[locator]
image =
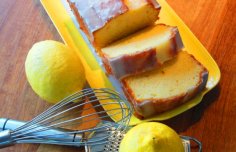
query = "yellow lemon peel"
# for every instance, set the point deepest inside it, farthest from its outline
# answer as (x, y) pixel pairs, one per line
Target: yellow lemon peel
(151, 137)
(54, 71)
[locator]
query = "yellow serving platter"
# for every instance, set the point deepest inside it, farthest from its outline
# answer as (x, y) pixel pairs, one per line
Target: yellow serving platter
(64, 21)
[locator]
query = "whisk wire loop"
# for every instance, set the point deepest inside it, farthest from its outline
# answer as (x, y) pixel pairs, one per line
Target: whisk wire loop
(94, 107)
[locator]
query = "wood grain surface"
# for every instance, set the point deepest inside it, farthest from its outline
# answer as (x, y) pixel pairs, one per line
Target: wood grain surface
(213, 121)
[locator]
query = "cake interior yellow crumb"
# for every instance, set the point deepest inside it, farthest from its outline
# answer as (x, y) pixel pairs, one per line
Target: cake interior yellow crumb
(157, 37)
(176, 77)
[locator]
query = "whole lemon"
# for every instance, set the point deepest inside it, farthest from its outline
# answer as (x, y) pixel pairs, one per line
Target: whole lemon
(54, 71)
(151, 137)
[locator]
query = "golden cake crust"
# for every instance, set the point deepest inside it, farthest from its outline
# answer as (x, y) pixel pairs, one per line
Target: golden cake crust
(100, 14)
(141, 61)
(145, 108)
(131, 64)
(100, 17)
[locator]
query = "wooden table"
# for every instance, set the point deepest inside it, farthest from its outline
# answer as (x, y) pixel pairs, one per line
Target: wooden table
(213, 122)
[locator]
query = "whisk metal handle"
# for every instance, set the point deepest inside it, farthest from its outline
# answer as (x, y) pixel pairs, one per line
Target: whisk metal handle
(5, 139)
(57, 134)
(9, 124)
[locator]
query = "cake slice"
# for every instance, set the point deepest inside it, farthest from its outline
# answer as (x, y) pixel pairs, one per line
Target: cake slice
(105, 21)
(163, 89)
(142, 51)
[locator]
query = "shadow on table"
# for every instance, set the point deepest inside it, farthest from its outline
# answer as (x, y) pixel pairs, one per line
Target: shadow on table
(185, 120)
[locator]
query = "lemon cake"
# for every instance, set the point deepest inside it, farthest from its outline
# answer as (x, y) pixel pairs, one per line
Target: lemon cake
(142, 51)
(105, 21)
(159, 90)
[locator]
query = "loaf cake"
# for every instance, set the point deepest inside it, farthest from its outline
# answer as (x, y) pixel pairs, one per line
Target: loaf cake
(165, 88)
(105, 21)
(142, 51)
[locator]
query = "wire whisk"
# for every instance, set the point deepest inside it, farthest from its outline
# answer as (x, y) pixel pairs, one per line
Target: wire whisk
(85, 118)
